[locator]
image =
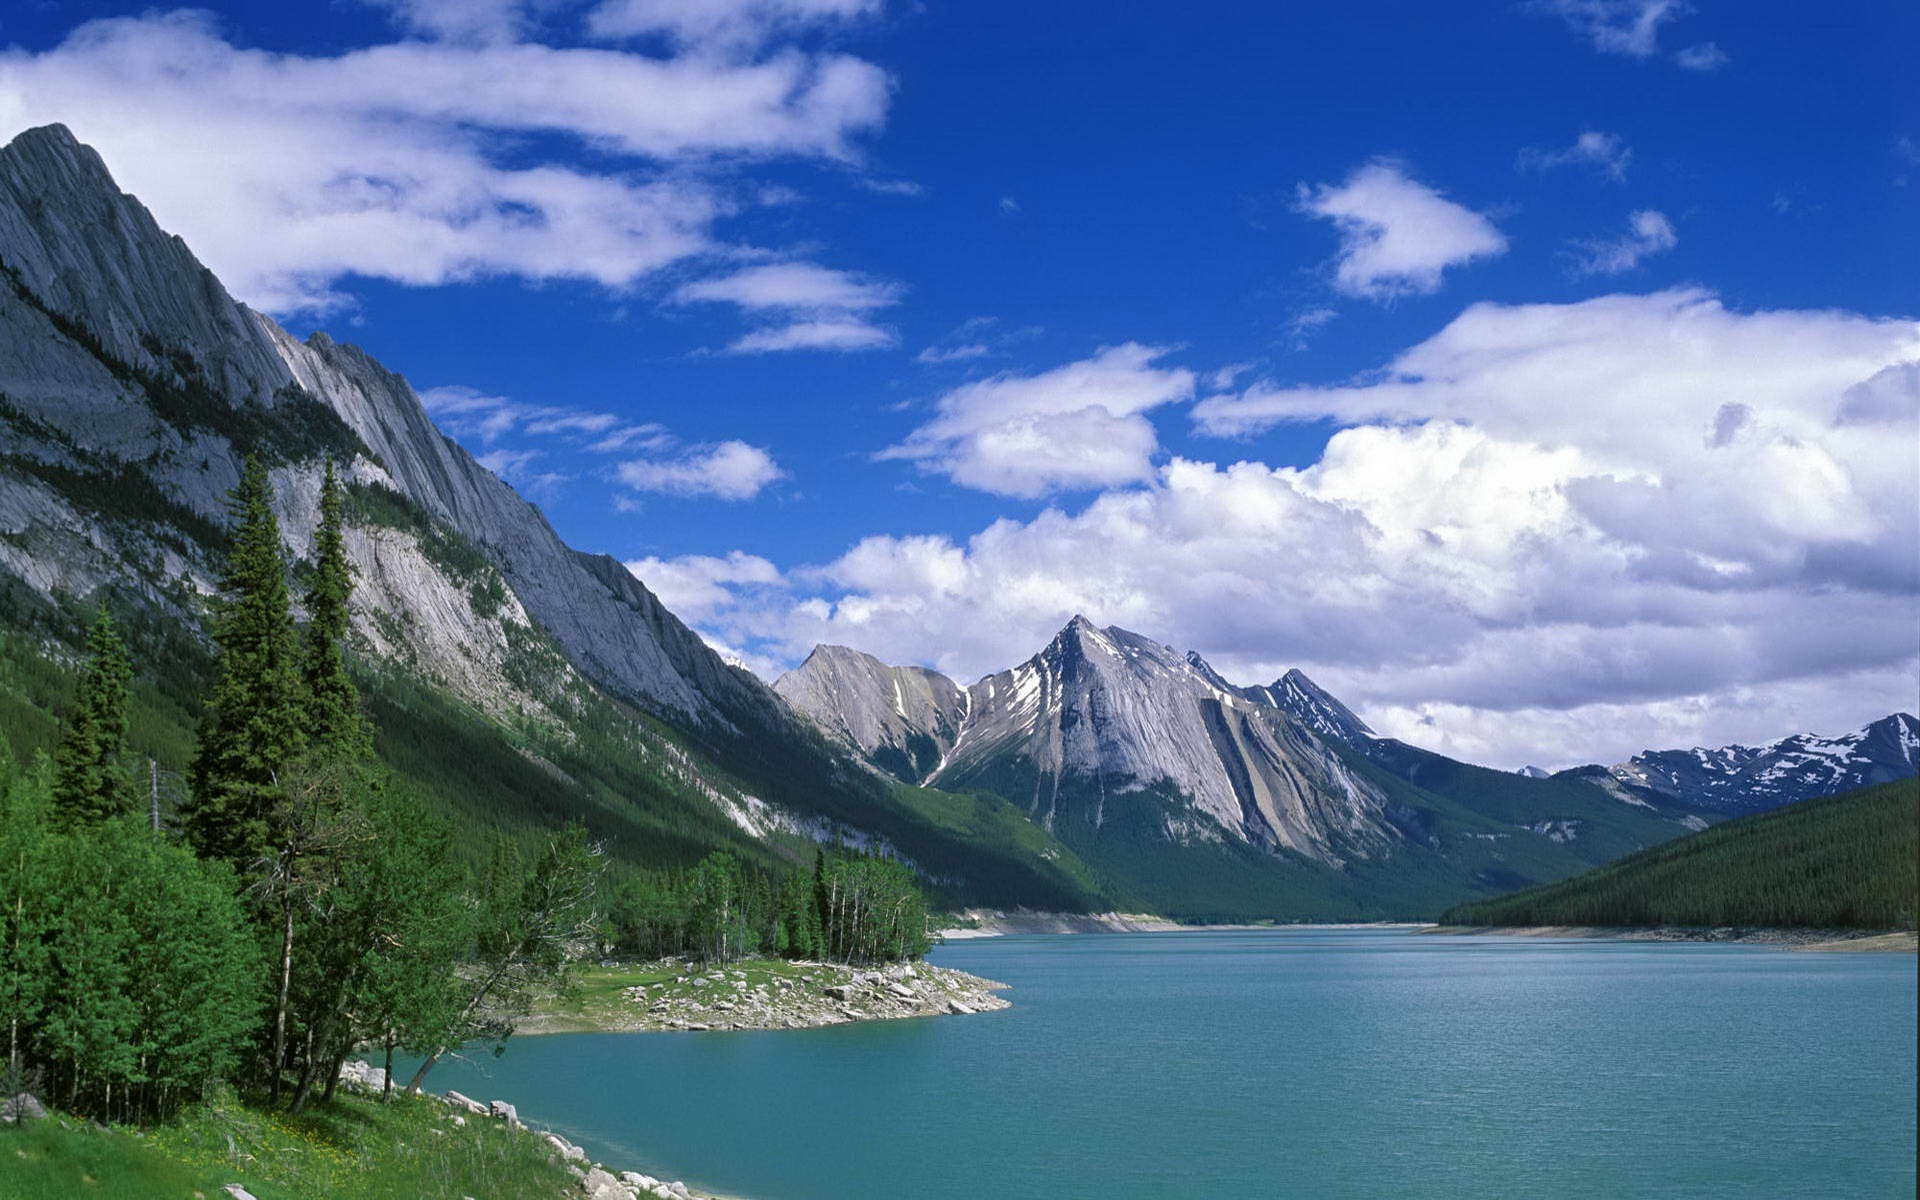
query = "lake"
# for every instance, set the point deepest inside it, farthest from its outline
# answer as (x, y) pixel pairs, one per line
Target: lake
(1290, 1063)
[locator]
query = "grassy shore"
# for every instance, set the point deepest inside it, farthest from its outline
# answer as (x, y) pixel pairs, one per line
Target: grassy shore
(757, 993)
(351, 1148)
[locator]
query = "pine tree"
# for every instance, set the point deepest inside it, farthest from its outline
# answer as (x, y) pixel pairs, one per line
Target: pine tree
(252, 724)
(335, 723)
(90, 780)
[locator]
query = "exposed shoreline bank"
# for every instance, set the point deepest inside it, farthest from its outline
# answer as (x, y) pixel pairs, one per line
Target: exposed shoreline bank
(1820, 940)
(670, 995)
(986, 923)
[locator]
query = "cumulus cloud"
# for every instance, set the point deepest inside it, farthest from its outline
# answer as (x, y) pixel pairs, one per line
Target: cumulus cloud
(410, 161)
(1648, 233)
(698, 586)
(1552, 532)
(1077, 426)
(1397, 235)
(1606, 153)
(731, 470)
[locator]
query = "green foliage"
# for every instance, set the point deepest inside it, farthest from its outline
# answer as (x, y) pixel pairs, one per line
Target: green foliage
(1845, 862)
(252, 725)
(349, 1148)
(854, 908)
(530, 926)
(90, 781)
(335, 722)
(125, 963)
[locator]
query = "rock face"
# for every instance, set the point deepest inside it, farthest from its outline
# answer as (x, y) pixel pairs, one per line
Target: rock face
(108, 314)
(1099, 718)
(132, 386)
(1314, 707)
(903, 719)
(1804, 766)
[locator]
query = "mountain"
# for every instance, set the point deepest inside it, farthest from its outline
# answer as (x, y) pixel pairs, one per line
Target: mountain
(1840, 862)
(1804, 766)
(1314, 707)
(903, 719)
(517, 681)
(1189, 795)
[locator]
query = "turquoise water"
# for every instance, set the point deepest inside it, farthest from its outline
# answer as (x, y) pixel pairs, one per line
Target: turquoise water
(1290, 1064)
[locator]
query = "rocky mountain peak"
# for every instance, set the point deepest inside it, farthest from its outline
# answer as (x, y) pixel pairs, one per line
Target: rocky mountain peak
(1802, 766)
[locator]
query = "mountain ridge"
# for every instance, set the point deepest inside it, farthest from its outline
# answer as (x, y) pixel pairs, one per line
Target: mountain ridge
(131, 386)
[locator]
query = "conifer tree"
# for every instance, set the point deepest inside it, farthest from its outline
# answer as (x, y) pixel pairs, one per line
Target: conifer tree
(252, 725)
(90, 781)
(335, 723)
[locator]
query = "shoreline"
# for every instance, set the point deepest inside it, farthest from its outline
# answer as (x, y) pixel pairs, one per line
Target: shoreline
(669, 995)
(989, 923)
(1840, 941)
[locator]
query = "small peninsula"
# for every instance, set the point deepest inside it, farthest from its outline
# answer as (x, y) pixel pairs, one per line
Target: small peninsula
(761, 993)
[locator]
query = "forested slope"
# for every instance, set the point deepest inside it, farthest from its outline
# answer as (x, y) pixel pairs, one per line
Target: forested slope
(1845, 862)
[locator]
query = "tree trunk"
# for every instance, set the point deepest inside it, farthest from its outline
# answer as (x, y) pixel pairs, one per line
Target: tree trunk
(280, 999)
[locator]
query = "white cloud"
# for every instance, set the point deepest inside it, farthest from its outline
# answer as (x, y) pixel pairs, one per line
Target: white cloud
(1704, 57)
(1648, 233)
(470, 412)
(793, 286)
(1074, 427)
(1303, 324)
(833, 333)
(1629, 27)
(731, 470)
(1552, 532)
(698, 586)
(826, 307)
(1397, 235)
(1606, 153)
(390, 161)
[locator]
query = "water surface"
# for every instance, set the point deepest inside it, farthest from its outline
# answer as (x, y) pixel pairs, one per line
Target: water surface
(1299, 1064)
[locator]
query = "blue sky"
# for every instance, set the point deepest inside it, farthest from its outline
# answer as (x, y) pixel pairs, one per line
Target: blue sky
(1056, 269)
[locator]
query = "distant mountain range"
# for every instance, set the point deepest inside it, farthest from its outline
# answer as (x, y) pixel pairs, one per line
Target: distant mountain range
(518, 682)
(1805, 766)
(1178, 786)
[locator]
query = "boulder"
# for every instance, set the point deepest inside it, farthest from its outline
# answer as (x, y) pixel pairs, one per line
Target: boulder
(23, 1107)
(838, 991)
(635, 1179)
(957, 1007)
(564, 1148)
(237, 1192)
(467, 1102)
(505, 1112)
(598, 1185)
(902, 991)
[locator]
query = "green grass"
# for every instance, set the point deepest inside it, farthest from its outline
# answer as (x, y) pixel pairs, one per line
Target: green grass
(597, 1001)
(1845, 862)
(349, 1149)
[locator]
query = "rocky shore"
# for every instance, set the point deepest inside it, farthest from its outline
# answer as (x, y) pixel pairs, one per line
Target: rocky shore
(671, 995)
(1855, 940)
(597, 1181)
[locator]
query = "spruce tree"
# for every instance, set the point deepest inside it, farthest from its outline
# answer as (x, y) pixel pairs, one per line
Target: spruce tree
(252, 726)
(90, 782)
(335, 723)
